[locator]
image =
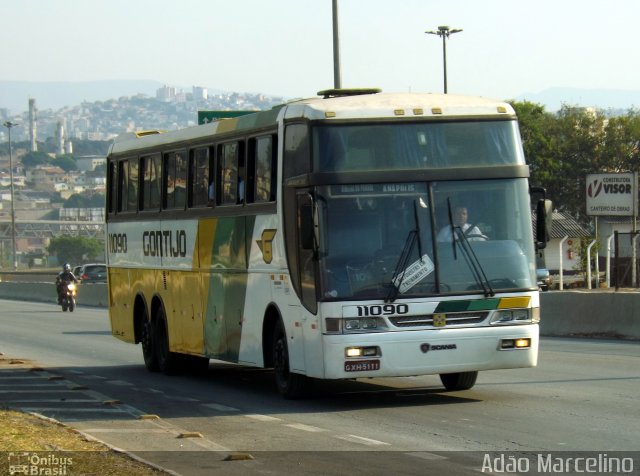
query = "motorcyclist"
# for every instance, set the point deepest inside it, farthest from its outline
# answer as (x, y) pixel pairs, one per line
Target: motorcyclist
(64, 277)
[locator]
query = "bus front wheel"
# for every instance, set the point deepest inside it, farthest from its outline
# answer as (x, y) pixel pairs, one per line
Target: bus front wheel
(459, 381)
(290, 385)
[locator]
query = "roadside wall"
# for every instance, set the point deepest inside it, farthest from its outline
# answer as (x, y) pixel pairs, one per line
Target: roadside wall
(89, 294)
(596, 313)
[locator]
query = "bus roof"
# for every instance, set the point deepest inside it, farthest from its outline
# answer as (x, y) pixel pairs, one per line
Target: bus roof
(373, 106)
(388, 105)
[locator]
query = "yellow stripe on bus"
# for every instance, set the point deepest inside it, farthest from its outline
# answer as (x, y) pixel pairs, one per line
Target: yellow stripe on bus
(511, 302)
(204, 243)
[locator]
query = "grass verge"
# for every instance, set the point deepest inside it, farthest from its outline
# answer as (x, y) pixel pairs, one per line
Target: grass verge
(58, 446)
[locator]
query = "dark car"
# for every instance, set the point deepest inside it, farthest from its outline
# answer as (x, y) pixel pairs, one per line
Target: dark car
(93, 273)
(544, 279)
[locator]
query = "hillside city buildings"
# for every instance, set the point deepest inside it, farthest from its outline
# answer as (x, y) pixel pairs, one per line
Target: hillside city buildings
(40, 191)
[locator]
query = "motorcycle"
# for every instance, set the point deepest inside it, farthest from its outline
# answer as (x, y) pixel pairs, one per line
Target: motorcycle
(68, 299)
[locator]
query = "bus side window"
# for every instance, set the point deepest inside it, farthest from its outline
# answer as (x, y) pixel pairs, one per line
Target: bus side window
(175, 180)
(151, 180)
(123, 187)
(112, 191)
(229, 155)
(261, 171)
(199, 178)
(132, 186)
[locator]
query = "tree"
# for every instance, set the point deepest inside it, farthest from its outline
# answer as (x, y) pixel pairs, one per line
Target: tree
(33, 159)
(563, 148)
(66, 162)
(538, 144)
(95, 200)
(75, 201)
(75, 249)
(622, 143)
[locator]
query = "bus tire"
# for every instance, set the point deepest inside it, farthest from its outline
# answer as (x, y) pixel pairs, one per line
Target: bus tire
(148, 348)
(290, 385)
(168, 362)
(459, 381)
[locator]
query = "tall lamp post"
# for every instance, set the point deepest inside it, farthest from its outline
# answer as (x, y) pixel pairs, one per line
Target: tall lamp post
(337, 77)
(9, 125)
(444, 32)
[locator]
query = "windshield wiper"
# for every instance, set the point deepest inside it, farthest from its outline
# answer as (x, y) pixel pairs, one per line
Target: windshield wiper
(413, 238)
(458, 238)
(474, 264)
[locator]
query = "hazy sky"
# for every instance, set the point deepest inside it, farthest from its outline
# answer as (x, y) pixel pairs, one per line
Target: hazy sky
(284, 47)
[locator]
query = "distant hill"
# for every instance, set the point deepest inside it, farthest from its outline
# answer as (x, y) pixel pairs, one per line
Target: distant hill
(14, 95)
(554, 98)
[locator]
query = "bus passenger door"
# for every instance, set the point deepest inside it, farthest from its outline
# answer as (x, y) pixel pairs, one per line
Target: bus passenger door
(297, 317)
(306, 244)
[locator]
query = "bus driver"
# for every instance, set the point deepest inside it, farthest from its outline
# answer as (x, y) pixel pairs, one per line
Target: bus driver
(460, 216)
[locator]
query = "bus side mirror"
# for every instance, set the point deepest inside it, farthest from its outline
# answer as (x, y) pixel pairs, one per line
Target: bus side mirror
(544, 214)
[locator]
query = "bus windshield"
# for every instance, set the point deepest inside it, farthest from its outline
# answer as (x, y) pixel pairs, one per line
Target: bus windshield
(341, 148)
(398, 240)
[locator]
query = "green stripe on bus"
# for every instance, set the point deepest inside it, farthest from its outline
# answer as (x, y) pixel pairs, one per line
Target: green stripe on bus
(483, 304)
(227, 289)
(461, 306)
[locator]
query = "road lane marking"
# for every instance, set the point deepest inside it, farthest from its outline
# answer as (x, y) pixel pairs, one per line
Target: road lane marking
(182, 399)
(303, 427)
(426, 455)
(220, 408)
(262, 417)
(50, 400)
(362, 440)
(71, 410)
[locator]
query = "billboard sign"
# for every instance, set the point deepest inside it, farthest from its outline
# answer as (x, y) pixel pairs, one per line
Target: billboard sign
(205, 117)
(612, 194)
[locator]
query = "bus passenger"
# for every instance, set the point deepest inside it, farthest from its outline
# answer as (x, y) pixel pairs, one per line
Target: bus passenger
(211, 193)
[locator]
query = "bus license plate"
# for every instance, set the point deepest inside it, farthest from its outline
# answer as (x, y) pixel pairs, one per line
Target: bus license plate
(362, 366)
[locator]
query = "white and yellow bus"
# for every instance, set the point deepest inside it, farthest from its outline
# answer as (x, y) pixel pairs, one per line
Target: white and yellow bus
(308, 239)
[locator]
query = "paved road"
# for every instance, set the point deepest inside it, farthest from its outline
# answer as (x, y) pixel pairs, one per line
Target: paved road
(581, 398)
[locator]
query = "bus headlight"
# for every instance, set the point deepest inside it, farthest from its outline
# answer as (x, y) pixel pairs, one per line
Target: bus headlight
(356, 352)
(515, 344)
(335, 325)
(511, 316)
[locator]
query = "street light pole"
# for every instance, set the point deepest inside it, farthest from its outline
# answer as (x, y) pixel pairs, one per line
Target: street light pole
(9, 125)
(444, 32)
(337, 77)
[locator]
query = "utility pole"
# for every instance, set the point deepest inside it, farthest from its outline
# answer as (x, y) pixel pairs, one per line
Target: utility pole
(9, 125)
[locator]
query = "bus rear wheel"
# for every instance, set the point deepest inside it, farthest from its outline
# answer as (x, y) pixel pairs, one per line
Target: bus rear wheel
(148, 347)
(290, 385)
(459, 381)
(168, 362)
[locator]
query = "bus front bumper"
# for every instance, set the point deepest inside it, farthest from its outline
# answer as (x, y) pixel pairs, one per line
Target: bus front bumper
(428, 352)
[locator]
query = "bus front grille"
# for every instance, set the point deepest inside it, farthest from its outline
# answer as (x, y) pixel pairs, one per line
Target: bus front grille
(452, 319)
